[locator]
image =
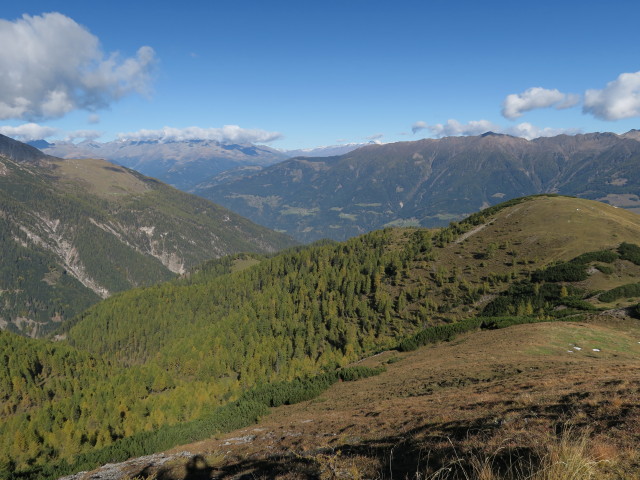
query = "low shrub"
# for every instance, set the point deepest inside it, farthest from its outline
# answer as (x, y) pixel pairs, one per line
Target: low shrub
(564, 272)
(629, 251)
(492, 323)
(438, 333)
(351, 374)
(604, 256)
(629, 290)
(606, 269)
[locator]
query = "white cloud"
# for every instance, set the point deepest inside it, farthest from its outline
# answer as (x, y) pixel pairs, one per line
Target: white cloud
(226, 134)
(420, 125)
(375, 136)
(526, 130)
(28, 132)
(619, 99)
(51, 65)
(536, 97)
(93, 118)
(82, 135)
(453, 128)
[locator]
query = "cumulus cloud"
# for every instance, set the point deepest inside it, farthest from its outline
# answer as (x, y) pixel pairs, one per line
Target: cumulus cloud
(226, 134)
(536, 97)
(420, 125)
(28, 132)
(51, 65)
(453, 128)
(82, 135)
(528, 131)
(619, 99)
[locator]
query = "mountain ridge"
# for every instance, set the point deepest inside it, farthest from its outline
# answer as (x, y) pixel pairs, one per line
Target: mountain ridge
(74, 231)
(428, 182)
(19, 151)
(182, 163)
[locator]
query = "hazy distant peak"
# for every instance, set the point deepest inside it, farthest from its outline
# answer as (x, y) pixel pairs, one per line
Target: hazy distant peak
(39, 144)
(324, 151)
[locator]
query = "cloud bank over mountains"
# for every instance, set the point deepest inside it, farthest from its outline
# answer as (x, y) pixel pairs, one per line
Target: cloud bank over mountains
(454, 128)
(28, 131)
(226, 134)
(60, 67)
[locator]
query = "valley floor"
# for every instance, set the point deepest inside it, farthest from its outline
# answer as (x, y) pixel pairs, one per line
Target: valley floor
(510, 403)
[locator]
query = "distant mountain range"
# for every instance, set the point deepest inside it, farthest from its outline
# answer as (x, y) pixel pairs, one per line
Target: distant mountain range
(75, 231)
(427, 182)
(342, 191)
(328, 151)
(182, 164)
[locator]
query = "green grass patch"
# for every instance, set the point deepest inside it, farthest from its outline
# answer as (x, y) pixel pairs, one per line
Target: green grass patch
(242, 263)
(302, 212)
(607, 341)
(403, 222)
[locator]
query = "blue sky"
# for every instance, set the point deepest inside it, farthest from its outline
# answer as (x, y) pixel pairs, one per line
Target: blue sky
(303, 74)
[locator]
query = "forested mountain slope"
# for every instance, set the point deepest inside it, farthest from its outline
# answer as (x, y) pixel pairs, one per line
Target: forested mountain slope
(177, 350)
(75, 231)
(429, 182)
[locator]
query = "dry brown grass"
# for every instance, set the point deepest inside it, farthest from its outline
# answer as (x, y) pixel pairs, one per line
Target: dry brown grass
(100, 177)
(490, 406)
(572, 456)
(568, 458)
